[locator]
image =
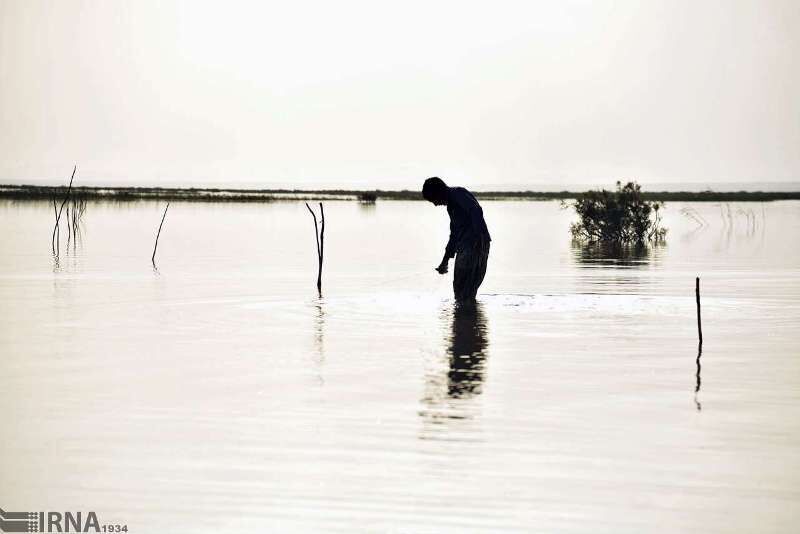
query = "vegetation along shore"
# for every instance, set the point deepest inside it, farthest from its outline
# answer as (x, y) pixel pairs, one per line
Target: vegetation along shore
(39, 192)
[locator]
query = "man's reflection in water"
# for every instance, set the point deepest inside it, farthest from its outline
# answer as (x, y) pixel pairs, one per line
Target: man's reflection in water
(467, 350)
(456, 377)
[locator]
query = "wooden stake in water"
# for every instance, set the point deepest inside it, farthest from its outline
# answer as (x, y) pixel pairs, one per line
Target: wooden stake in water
(55, 213)
(153, 259)
(58, 215)
(319, 234)
(697, 297)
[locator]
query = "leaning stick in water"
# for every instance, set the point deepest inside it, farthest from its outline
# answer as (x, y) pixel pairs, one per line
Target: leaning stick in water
(153, 259)
(320, 237)
(58, 215)
(55, 214)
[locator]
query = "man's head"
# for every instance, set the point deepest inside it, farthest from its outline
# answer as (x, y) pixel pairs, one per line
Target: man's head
(435, 190)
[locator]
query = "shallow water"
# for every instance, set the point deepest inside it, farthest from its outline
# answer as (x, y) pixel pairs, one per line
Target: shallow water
(219, 393)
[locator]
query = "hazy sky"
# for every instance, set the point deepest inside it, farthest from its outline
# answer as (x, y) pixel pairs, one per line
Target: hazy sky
(383, 94)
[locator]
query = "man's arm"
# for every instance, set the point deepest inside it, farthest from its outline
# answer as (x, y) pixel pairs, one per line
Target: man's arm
(449, 250)
(442, 268)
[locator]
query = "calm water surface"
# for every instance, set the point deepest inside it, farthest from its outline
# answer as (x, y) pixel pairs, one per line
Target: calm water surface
(220, 394)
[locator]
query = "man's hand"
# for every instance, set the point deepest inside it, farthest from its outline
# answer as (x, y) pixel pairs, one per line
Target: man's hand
(442, 268)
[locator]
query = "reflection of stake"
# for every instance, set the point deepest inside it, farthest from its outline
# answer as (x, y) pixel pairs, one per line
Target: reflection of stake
(700, 343)
(697, 376)
(319, 234)
(153, 259)
(697, 297)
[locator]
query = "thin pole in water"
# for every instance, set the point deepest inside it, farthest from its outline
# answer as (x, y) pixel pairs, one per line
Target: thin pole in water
(55, 213)
(319, 235)
(58, 215)
(321, 247)
(153, 259)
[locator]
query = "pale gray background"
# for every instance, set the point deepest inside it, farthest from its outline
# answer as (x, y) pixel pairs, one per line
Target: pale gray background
(351, 94)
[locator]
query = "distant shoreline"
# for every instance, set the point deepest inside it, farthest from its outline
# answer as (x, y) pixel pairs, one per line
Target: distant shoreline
(122, 194)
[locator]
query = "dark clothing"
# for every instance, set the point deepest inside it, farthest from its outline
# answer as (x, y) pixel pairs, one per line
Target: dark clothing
(466, 220)
(469, 242)
(469, 270)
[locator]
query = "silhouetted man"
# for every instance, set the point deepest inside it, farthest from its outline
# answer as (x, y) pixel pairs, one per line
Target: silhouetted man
(469, 237)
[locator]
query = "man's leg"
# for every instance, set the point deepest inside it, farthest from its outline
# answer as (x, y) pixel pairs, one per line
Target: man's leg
(481, 262)
(469, 271)
(461, 275)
